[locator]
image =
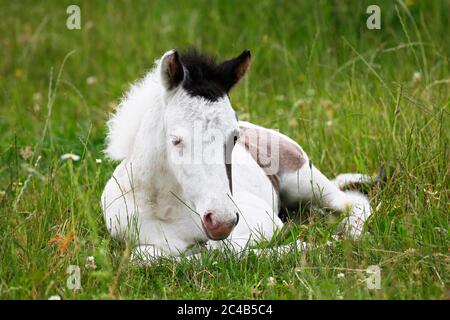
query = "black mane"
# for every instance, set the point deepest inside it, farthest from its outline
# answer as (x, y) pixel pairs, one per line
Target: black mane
(205, 77)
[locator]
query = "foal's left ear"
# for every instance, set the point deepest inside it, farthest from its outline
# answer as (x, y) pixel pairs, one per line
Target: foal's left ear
(172, 73)
(234, 69)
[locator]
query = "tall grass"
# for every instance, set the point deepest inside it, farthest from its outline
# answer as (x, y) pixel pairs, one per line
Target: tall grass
(353, 98)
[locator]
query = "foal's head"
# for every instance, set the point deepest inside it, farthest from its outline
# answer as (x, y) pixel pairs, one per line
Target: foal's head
(201, 129)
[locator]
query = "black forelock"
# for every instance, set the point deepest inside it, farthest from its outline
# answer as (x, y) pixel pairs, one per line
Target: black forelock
(205, 77)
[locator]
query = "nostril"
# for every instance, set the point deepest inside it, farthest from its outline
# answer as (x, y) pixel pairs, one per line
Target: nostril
(237, 219)
(218, 226)
(208, 218)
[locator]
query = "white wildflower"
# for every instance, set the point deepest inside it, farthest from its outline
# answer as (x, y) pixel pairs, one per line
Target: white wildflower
(98, 161)
(26, 152)
(271, 281)
(341, 275)
(417, 77)
(71, 156)
(335, 237)
(55, 297)
(90, 263)
(439, 229)
(91, 80)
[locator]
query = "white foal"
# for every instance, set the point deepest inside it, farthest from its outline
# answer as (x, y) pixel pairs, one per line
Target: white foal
(260, 189)
(190, 172)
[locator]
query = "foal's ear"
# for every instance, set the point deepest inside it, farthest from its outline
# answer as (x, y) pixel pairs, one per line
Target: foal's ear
(234, 69)
(171, 70)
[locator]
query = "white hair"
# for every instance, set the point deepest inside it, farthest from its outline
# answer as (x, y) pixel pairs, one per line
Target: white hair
(125, 122)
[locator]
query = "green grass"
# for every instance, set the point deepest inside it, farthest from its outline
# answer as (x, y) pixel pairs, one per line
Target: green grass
(344, 92)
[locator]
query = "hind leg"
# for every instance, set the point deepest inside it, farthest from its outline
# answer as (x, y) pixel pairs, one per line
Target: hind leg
(355, 181)
(308, 184)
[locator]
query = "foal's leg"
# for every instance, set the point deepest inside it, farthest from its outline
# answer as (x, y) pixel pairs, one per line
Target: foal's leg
(308, 184)
(353, 180)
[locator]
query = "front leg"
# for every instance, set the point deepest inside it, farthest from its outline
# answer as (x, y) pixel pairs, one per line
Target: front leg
(259, 223)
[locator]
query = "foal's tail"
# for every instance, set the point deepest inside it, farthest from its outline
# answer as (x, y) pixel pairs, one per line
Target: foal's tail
(361, 182)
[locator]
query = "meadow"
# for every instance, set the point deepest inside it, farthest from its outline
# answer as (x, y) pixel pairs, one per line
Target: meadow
(353, 98)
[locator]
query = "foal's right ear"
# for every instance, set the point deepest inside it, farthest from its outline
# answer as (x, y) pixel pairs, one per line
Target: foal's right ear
(172, 73)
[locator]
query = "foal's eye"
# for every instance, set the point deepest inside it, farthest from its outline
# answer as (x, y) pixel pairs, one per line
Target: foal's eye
(235, 137)
(177, 141)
